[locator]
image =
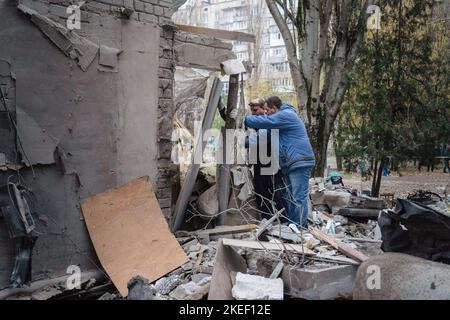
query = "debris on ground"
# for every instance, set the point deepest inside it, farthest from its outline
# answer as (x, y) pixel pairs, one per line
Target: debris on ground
(274, 260)
(251, 287)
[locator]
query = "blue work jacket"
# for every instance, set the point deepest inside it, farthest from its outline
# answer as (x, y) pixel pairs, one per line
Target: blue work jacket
(295, 149)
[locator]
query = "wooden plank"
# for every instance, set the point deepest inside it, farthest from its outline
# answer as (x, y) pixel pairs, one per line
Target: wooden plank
(226, 262)
(130, 234)
(263, 245)
(336, 259)
(226, 230)
(363, 240)
(340, 246)
(217, 33)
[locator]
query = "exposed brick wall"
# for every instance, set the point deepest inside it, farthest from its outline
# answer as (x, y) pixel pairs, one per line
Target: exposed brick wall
(166, 73)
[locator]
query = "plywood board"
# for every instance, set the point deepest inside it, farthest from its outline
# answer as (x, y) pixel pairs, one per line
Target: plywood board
(130, 235)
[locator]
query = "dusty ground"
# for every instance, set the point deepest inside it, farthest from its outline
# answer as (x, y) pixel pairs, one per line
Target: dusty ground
(410, 180)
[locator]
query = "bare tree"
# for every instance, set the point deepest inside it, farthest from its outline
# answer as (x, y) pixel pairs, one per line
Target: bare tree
(321, 39)
(256, 26)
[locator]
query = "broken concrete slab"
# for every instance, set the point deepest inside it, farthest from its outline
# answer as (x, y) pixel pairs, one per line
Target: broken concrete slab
(167, 284)
(333, 199)
(124, 220)
(253, 287)
(108, 56)
(208, 203)
(323, 284)
(200, 52)
(398, 276)
(233, 66)
(227, 261)
(192, 290)
(71, 44)
(38, 145)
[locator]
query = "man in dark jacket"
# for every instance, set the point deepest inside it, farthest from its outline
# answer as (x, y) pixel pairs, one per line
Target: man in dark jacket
(296, 156)
(264, 184)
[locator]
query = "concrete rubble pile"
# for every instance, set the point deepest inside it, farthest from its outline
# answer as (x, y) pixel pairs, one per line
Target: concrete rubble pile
(273, 260)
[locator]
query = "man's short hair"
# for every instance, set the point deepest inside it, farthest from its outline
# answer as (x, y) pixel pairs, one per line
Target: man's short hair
(274, 102)
(257, 102)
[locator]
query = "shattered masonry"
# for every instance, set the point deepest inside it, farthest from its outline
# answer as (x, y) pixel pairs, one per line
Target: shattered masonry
(86, 102)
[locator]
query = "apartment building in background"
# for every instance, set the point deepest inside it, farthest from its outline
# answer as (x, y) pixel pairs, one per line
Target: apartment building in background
(268, 54)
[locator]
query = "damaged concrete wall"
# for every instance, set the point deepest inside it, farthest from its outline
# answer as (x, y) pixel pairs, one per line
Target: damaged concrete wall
(197, 51)
(103, 115)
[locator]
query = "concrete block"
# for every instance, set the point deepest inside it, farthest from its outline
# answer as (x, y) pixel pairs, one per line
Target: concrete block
(166, 63)
(159, 11)
(168, 12)
(165, 74)
(128, 4)
(139, 6)
(398, 276)
(148, 8)
(165, 3)
(164, 193)
(323, 284)
(165, 53)
(165, 203)
(166, 88)
(167, 33)
(145, 17)
(251, 287)
(165, 126)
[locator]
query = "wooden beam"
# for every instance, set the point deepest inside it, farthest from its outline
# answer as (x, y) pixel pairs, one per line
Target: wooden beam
(340, 246)
(226, 230)
(262, 245)
(217, 33)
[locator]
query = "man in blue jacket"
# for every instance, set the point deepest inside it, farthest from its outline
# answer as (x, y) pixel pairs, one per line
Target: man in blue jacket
(296, 156)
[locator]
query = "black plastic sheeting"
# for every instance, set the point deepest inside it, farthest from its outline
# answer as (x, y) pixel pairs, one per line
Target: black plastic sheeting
(23, 241)
(416, 229)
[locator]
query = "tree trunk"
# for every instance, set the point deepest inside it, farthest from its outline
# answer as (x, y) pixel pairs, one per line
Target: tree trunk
(376, 182)
(337, 151)
(375, 174)
(320, 99)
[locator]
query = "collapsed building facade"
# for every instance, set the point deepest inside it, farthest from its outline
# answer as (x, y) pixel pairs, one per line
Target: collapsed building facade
(83, 111)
